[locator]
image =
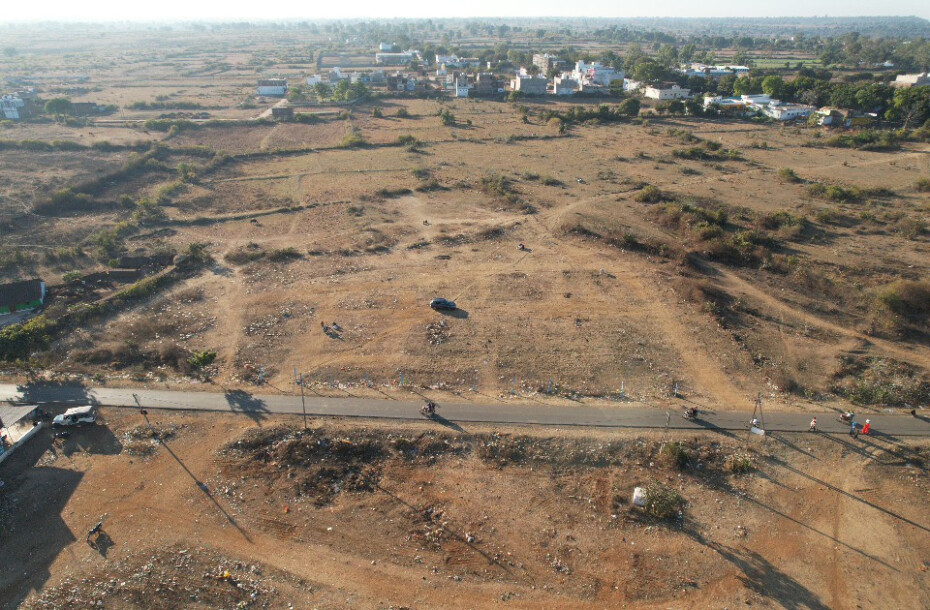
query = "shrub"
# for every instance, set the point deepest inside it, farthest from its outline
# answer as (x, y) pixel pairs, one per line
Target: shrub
(284, 254)
(662, 501)
(786, 174)
(650, 194)
(923, 185)
(907, 298)
(201, 360)
(352, 139)
(407, 140)
(18, 341)
(402, 113)
(675, 454)
(446, 117)
(740, 463)
(376, 112)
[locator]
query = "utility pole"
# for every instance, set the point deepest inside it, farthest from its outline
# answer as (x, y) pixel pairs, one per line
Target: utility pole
(303, 402)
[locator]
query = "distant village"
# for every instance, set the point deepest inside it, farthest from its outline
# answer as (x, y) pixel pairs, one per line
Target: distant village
(404, 72)
(399, 72)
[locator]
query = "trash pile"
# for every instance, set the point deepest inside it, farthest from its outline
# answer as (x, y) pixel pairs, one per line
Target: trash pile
(172, 578)
(143, 440)
(436, 332)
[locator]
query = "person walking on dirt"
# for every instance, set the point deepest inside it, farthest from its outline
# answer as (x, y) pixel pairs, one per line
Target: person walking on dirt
(854, 429)
(867, 426)
(813, 426)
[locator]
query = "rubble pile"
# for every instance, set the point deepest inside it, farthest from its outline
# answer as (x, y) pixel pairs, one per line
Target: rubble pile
(143, 440)
(172, 578)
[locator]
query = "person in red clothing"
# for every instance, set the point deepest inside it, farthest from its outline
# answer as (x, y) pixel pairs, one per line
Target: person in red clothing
(867, 427)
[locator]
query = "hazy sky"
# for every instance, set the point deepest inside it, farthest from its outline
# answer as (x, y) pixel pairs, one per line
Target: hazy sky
(176, 10)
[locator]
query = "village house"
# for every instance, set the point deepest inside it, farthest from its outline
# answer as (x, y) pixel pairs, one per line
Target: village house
(841, 117)
(386, 47)
(546, 62)
(12, 107)
(454, 61)
(565, 85)
(529, 85)
(21, 296)
(786, 112)
(272, 87)
(715, 72)
(397, 59)
(666, 91)
(596, 74)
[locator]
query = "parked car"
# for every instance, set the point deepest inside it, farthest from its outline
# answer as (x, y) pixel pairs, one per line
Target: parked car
(76, 416)
(442, 304)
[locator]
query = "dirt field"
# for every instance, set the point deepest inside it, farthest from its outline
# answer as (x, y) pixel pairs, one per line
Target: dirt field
(421, 516)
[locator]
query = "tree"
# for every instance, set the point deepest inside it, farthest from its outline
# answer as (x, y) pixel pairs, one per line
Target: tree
(910, 105)
(773, 86)
(59, 106)
(648, 71)
(342, 90)
(629, 107)
(322, 91)
(358, 91)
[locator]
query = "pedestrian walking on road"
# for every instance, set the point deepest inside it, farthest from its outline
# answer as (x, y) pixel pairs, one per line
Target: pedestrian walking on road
(854, 430)
(813, 427)
(867, 427)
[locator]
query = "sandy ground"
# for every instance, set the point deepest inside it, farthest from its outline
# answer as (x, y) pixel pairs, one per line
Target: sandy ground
(458, 518)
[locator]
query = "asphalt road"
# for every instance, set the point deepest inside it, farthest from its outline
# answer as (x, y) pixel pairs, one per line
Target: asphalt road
(257, 407)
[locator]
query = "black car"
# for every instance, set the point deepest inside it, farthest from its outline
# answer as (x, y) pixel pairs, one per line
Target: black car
(442, 304)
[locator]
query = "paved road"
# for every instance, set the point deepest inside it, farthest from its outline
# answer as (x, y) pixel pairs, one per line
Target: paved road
(259, 406)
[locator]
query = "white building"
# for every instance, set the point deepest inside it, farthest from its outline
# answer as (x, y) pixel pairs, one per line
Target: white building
(631, 85)
(10, 107)
(673, 92)
(454, 61)
(396, 59)
(461, 90)
(314, 80)
(530, 85)
(386, 47)
(595, 73)
(272, 87)
(787, 112)
(565, 85)
(912, 80)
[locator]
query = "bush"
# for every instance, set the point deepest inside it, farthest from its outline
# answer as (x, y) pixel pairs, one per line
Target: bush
(740, 463)
(402, 113)
(923, 185)
(18, 341)
(786, 174)
(675, 454)
(201, 360)
(650, 194)
(352, 139)
(407, 140)
(907, 298)
(662, 501)
(446, 118)
(284, 254)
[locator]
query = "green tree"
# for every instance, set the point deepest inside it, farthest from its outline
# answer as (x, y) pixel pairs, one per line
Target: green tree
(629, 107)
(773, 86)
(59, 106)
(342, 90)
(322, 91)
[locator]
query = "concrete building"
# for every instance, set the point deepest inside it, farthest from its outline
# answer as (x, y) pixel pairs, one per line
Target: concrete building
(787, 112)
(21, 296)
(386, 47)
(12, 107)
(667, 92)
(912, 80)
(546, 62)
(565, 85)
(529, 85)
(596, 73)
(396, 59)
(272, 87)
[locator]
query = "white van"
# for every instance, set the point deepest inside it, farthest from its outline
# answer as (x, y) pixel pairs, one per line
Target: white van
(76, 416)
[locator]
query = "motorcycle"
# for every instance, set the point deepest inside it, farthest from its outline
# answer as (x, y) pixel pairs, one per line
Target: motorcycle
(690, 413)
(428, 410)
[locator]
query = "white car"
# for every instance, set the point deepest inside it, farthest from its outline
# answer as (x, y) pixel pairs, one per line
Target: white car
(76, 416)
